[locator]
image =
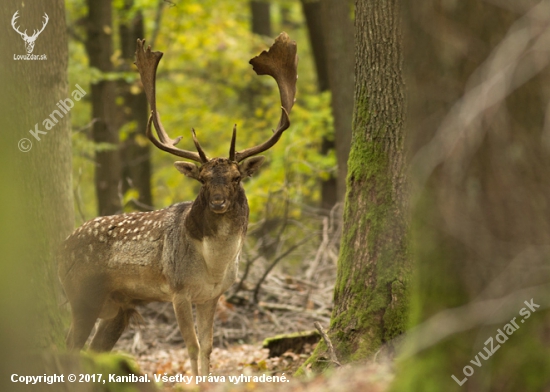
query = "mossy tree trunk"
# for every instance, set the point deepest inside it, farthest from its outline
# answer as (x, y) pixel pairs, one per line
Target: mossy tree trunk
(36, 206)
(371, 293)
(480, 218)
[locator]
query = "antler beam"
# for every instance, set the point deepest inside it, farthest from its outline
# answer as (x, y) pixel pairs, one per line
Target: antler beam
(147, 63)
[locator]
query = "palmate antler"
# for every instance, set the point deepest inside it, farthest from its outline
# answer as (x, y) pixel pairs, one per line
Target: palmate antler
(280, 62)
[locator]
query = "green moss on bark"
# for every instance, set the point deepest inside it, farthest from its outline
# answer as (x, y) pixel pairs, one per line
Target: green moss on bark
(370, 296)
(372, 281)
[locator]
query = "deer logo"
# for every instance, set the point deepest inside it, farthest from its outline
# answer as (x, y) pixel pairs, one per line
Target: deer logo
(29, 41)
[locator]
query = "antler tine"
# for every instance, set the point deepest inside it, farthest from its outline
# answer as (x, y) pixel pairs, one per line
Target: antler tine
(233, 141)
(202, 155)
(36, 33)
(13, 20)
(44, 24)
(281, 63)
(147, 63)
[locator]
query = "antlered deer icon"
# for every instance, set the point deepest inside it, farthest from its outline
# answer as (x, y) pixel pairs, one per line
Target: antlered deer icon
(29, 41)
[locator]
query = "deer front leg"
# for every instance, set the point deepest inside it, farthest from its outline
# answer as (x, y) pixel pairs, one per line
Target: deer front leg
(205, 322)
(184, 315)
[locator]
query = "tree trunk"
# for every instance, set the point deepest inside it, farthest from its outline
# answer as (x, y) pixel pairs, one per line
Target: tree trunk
(313, 15)
(36, 206)
(339, 48)
(99, 45)
(480, 223)
(136, 166)
(261, 17)
(371, 292)
(315, 28)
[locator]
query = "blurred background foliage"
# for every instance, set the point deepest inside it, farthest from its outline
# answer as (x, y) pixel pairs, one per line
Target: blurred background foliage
(205, 82)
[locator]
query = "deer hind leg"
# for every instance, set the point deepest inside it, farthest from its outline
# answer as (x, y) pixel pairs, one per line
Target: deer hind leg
(84, 318)
(184, 315)
(109, 331)
(86, 297)
(205, 326)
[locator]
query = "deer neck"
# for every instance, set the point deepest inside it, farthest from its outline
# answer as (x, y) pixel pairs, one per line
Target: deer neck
(202, 222)
(218, 237)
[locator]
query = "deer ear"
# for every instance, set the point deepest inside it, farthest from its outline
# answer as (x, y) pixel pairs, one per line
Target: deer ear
(250, 166)
(188, 169)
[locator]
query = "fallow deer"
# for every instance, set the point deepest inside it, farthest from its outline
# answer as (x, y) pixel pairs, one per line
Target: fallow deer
(185, 254)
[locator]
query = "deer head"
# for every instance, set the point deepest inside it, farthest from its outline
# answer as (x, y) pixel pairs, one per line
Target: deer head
(221, 177)
(29, 41)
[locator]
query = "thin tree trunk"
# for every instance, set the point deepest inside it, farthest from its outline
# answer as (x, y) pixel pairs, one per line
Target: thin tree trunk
(314, 20)
(36, 206)
(371, 292)
(339, 47)
(313, 15)
(99, 45)
(136, 169)
(261, 17)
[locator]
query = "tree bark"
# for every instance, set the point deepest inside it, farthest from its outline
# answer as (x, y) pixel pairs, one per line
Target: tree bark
(136, 155)
(261, 17)
(480, 225)
(339, 48)
(371, 292)
(36, 206)
(99, 45)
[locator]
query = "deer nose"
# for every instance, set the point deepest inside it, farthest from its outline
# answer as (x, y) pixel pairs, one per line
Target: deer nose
(217, 202)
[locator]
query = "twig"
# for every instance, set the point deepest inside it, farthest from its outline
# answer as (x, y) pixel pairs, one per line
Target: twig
(274, 263)
(141, 206)
(376, 355)
(87, 126)
(320, 252)
(243, 278)
(290, 308)
(331, 352)
(77, 196)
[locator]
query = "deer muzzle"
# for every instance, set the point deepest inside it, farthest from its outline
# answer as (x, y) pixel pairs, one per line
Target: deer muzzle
(218, 203)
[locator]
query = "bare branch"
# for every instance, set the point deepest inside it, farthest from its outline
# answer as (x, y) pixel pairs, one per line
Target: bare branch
(330, 347)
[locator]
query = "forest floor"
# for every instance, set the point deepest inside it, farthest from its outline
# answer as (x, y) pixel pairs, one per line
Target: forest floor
(156, 345)
(270, 298)
(284, 304)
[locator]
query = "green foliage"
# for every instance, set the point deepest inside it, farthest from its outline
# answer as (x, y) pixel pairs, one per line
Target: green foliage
(205, 82)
